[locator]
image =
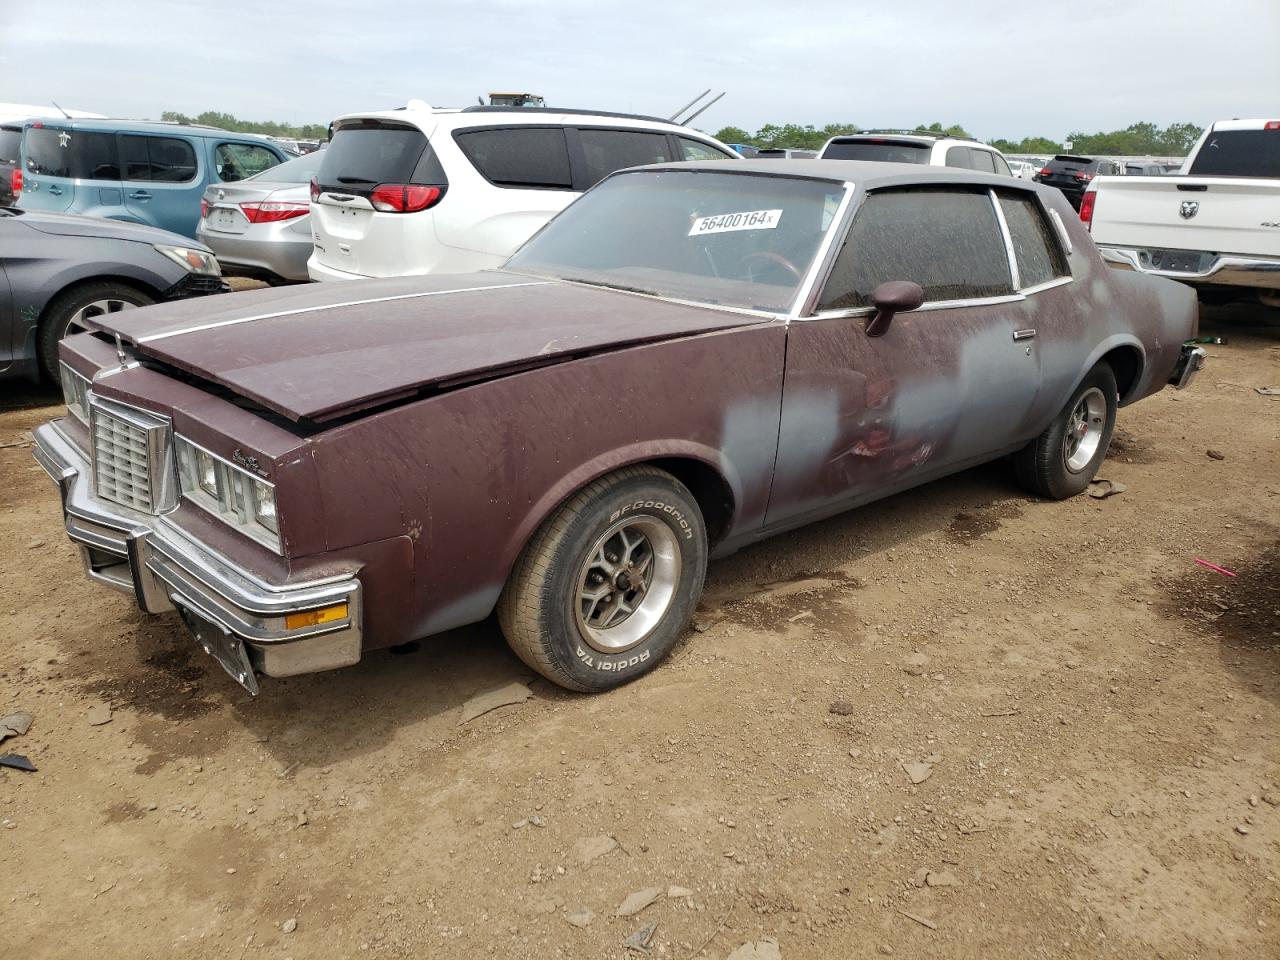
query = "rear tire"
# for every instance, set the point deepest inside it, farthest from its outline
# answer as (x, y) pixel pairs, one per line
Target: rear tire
(1062, 461)
(67, 311)
(604, 589)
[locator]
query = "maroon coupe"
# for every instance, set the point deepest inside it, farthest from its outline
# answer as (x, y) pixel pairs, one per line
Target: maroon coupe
(689, 358)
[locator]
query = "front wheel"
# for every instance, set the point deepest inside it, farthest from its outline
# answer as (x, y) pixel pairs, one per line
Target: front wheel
(601, 593)
(72, 310)
(1061, 461)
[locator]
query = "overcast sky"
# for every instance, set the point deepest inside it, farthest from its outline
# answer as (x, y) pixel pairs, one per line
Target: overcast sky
(1003, 69)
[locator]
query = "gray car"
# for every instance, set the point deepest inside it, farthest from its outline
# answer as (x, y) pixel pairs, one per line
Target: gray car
(58, 270)
(261, 227)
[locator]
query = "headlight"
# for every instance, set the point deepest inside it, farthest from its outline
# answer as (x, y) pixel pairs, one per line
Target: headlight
(197, 261)
(75, 391)
(229, 492)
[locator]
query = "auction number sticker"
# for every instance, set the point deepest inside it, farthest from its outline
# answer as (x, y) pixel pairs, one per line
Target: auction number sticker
(726, 222)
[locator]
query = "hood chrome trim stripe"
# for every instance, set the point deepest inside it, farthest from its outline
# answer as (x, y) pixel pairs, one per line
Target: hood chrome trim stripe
(198, 328)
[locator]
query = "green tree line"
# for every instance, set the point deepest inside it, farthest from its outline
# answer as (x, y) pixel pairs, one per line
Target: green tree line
(1138, 139)
(270, 128)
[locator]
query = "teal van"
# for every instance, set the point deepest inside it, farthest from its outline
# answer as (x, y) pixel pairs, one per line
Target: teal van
(135, 170)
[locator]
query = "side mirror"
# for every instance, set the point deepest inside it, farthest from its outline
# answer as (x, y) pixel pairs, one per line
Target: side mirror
(892, 297)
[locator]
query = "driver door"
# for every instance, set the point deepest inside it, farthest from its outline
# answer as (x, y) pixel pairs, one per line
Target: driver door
(946, 386)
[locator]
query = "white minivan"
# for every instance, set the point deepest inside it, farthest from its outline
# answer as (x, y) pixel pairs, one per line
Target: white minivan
(427, 190)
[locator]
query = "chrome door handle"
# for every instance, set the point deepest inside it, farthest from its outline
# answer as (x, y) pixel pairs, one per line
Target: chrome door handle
(1020, 335)
(139, 195)
(56, 190)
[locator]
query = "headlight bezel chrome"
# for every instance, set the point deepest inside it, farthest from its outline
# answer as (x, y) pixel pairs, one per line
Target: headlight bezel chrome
(240, 498)
(75, 392)
(200, 262)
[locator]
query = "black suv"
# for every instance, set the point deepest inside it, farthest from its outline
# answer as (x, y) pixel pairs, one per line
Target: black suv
(10, 144)
(1071, 175)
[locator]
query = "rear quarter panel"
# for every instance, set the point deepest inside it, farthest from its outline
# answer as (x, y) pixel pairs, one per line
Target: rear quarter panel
(470, 474)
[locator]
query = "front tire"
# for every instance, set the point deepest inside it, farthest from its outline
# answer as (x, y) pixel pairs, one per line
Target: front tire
(1062, 461)
(602, 592)
(68, 311)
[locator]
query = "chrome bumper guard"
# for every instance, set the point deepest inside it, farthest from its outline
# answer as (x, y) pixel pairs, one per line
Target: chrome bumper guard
(237, 618)
(1225, 269)
(1190, 363)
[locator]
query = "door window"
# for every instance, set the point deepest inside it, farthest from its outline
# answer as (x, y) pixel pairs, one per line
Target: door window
(158, 159)
(695, 150)
(606, 151)
(959, 157)
(1035, 246)
(235, 161)
(71, 153)
(519, 156)
(947, 241)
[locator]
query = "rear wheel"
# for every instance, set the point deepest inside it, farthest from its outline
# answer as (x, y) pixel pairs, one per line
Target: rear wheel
(70, 311)
(1061, 461)
(603, 590)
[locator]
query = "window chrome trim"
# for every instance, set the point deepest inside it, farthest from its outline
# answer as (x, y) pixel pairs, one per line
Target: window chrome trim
(1011, 255)
(811, 286)
(925, 307)
(1062, 230)
(1047, 285)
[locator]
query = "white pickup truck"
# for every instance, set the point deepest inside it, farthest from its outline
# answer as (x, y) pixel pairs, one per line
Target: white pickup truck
(1214, 225)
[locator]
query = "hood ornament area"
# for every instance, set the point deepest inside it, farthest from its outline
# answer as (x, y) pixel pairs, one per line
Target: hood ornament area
(1188, 209)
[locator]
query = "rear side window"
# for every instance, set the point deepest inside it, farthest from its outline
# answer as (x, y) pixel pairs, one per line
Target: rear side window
(236, 161)
(893, 151)
(1002, 165)
(366, 153)
(1035, 246)
(981, 160)
(958, 157)
(10, 143)
(72, 153)
(947, 241)
(695, 150)
(158, 159)
(519, 156)
(1239, 153)
(607, 151)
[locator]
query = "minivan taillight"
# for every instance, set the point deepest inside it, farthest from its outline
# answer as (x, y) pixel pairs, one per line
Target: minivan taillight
(15, 182)
(1045, 171)
(1087, 203)
(315, 190)
(404, 197)
(204, 208)
(1084, 177)
(271, 211)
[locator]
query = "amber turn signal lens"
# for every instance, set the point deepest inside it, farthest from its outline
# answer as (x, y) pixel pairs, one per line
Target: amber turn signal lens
(313, 618)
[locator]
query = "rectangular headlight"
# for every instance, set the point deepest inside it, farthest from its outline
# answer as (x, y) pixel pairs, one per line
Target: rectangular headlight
(75, 391)
(229, 492)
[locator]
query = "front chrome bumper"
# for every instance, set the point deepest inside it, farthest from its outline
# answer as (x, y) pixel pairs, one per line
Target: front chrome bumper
(1221, 269)
(238, 618)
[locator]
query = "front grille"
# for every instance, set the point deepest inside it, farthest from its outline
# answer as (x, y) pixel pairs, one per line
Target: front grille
(121, 462)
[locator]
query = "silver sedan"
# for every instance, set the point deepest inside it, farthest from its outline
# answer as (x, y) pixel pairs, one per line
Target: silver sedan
(260, 227)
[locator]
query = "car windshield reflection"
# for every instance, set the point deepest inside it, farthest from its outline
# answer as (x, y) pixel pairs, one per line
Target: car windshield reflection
(726, 239)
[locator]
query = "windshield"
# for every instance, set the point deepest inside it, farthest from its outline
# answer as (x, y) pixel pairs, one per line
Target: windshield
(740, 240)
(892, 151)
(1239, 153)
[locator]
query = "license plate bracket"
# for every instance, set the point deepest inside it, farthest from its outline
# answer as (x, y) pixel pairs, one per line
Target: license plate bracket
(218, 642)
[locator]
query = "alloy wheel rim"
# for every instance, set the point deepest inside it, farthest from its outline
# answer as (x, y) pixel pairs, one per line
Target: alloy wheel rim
(1084, 430)
(626, 584)
(95, 309)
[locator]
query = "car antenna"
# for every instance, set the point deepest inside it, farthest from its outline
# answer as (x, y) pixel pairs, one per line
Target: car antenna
(64, 113)
(689, 119)
(672, 118)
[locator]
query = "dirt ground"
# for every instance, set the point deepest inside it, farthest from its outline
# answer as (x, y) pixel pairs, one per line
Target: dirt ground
(1098, 719)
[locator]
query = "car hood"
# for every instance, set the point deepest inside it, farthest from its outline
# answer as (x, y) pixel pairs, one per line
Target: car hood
(324, 351)
(70, 225)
